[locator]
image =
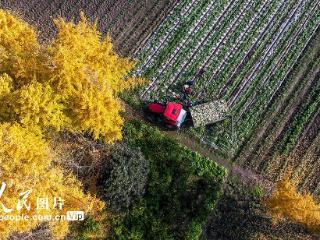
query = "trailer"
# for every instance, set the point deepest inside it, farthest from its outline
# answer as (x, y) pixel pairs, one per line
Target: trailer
(208, 113)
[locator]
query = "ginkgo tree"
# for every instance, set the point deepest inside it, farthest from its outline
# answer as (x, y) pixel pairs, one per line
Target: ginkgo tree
(28, 174)
(19, 49)
(286, 202)
(71, 82)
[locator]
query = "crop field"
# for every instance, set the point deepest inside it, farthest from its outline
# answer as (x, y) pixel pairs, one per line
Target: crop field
(130, 23)
(262, 57)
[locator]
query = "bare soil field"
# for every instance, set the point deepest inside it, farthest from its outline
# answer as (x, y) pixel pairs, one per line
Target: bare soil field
(130, 23)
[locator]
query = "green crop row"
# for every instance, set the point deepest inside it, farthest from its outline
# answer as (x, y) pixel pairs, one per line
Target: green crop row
(232, 47)
(215, 44)
(199, 45)
(286, 62)
(301, 119)
(181, 33)
(164, 30)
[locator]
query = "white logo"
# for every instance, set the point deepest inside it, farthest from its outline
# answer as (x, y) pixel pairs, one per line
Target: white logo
(75, 215)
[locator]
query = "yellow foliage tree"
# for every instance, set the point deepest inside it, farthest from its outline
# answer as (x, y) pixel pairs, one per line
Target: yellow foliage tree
(99, 118)
(90, 75)
(37, 104)
(72, 83)
(5, 91)
(26, 163)
(19, 49)
(79, 72)
(286, 202)
(81, 57)
(5, 85)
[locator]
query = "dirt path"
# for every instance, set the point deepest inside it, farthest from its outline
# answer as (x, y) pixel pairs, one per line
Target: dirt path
(190, 142)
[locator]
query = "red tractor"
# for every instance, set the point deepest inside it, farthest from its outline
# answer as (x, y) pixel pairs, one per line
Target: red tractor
(171, 113)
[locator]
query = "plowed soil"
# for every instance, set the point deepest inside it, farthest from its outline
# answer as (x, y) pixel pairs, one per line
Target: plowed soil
(130, 23)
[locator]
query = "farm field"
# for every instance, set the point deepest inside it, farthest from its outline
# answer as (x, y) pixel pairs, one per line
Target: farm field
(292, 126)
(251, 53)
(262, 57)
(258, 61)
(130, 23)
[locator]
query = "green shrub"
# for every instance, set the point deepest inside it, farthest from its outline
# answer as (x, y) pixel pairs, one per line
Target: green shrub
(257, 191)
(181, 191)
(85, 230)
(125, 178)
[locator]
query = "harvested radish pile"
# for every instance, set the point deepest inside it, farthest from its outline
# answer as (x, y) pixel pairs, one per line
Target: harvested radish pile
(208, 113)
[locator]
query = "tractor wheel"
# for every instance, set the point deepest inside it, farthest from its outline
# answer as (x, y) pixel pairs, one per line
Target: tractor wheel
(151, 117)
(171, 127)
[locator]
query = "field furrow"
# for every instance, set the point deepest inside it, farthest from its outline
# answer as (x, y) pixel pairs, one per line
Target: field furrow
(292, 89)
(138, 23)
(247, 83)
(284, 124)
(267, 91)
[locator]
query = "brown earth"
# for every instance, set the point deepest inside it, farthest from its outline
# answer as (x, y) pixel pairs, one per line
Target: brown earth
(130, 23)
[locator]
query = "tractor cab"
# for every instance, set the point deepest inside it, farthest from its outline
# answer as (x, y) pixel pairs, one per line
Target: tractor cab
(171, 113)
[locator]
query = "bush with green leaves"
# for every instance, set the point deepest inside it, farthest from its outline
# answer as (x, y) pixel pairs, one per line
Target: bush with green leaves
(85, 230)
(181, 191)
(125, 178)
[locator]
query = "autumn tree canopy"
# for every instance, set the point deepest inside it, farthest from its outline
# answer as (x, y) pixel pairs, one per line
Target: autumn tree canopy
(20, 151)
(286, 202)
(71, 82)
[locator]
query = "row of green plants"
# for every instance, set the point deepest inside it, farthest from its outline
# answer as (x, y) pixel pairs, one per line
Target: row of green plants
(200, 44)
(283, 46)
(264, 95)
(260, 54)
(180, 34)
(288, 96)
(296, 94)
(176, 56)
(242, 33)
(274, 139)
(202, 50)
(220, 79)
(269, 69)
(306, 111)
